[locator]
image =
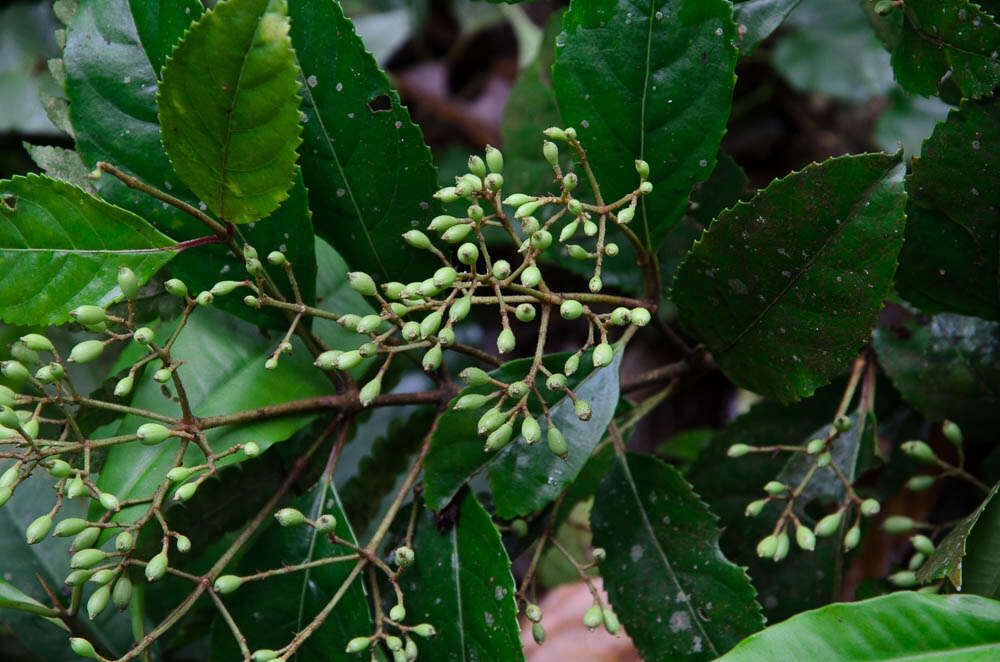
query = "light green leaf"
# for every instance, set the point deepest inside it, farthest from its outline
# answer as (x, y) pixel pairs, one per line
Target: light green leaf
(650, 80)
(784, 289)
(12, 598)
(368, 170)
(675, 593)
(61, 247)
(461, 584)
(232, 136)
(950, 259)
(896, 627)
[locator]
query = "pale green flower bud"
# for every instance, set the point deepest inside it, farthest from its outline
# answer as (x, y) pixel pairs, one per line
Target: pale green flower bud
(362, 283)
(494, 159)
(919, 451)
(870, 507)
(501, 269)
(738, 450)
(88, 314)
(505, 341)
(432, 359)
(530, 430)
(570, 309)
(582, 410)
(474, 376)
(642, 168)
(289, 517)
(828, 525)
(86, 351)
(525, 312)
(370, 391)
(417, 239)
(176, 287)
(603, 355)
(457, 233)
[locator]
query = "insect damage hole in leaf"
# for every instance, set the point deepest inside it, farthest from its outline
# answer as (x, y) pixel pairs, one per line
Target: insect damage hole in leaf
(380, 104)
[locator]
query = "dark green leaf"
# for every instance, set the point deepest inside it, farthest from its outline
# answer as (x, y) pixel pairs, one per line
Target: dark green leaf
(651, 80)
(160, 24)
(901, 626)
(675, 593)
(785, 288)
(757, 19)
(232, 136)
(949, 261)
(20, 563)
(13, 598)
(947, 559)
(523, 478)
(947, 367)
(60, 163)
(947, 40)
(368, 171)
(830, 49)
(461, 584)
(271, 611)
(223, 372)
(115, 120)
(981, 565)
(62, 248)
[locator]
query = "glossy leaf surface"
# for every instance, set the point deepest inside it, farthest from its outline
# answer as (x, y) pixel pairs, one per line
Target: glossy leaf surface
(649, 79)
(61, 248)
(757, 19)
(948, 556)
(784, 289)
(461, 584)
(675, 593)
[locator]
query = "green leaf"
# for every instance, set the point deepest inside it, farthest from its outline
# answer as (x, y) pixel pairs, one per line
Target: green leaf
(523, 478)
(111, 86)
(949, 261)
(947, 40)
(272, 610)
(649, 80)
(160, 23)
(947, 559)
(758, 19)
(908, 121)
(368, 170)
(675, 593)
(830, 49)
(981, 565)
(784, 289)
(901, 626)
(223, 373)
(61, 163)
(22, 565)
(232, 136)
(26, 35)
(947, 366)
(62, 248)
(461, 584)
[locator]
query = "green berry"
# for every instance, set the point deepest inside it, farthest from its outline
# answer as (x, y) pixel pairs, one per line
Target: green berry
(538, 633)
(457, 233)
(530, 225)
(460, 309)
(85, 538)
(531, 276)
(86, 559)
(805, 538)
(774, 487)
(642, 168)
(185, 492)
(920, 483)
(738, 450)
(611, 623)
(124, 385)
(767, 547)
(952, 432)
(98, 601)
(349, 360)
(37, 342)
(38, 529)
(533, 612)
(468, 253)
(530, 430)
(432, 359)
(870, 507)
(151, 434)
(592, 617)
(204, 298)
(49, 374)
(897, 524)
(582, 410)
(754, 507)
(489, 421)
(162, 375)
(828, 525)
(525, 312)
(277, 258)
(370, 391)
(59, 468)
(474, 376)
(349, 321)
(540, 241)
(86, 351)
(224, 287)
(70, 526)
(424, 630)
(919, 451)
(88, 314)
(446, 337)
(124, 542)
(227, 584)
(499, 437)
(326, 523)
(620, 316)
(505, 341)
(475, 213)
(289, 517)
(404, 556)
(121, 595)
(251, 301)
(358, 644)
(368, 324)
(603, 355)
(82, 647)
(471, 401)
(176, 287)
(557, 442)
(108, 501)
(501, 269)
(570, 309)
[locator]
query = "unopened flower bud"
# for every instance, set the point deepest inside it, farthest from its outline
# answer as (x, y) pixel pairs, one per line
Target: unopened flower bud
(227, 584)
(370, 391)
(489, 421)
(774, 488)
(404, 557)
(595, 284)
(124, 385)
(88, 314)
(176, 287)
(952, 432)
(457, 233)
(82, 647)
(86, 559)
(898, 524)
(499, 437)
(603, 355)
(86, 351)
(920, 483)
(805, 538)
(904, 578)
(570, 309)
(38, 529)
(571, 364)
(501, 269)
(919, 451)
(289, 517)
(37, 342)
(870, 507)
(556, 442)
(538, 633)
(108, 501)
(224, 287)
(205, 298)
(251, 449)
(592, 617)
(505, 341)
(754, 507)
(530, 429)
(70, 526)
(85, 538)
(642, 168)
(326, 523)
(626, 215)
(121, 595)
(555, 133)
(582, 410)
(358, 644)
(646, 188)
(152, 433)
(569, 182)
(431, 360)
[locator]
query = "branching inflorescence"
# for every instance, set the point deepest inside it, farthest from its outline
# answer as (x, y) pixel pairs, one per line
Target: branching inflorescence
(40, 430)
